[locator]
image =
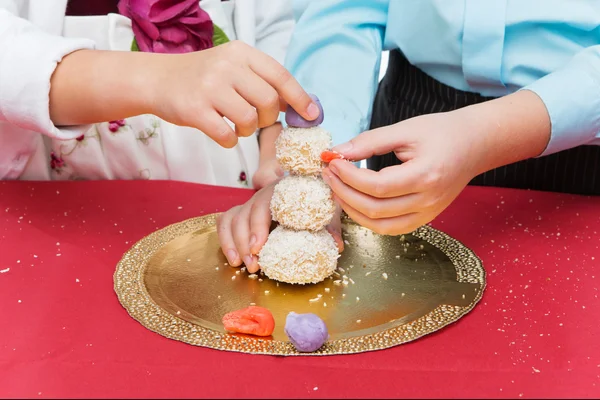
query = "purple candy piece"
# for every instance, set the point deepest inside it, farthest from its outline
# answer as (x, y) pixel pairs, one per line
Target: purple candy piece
(292, 118)
(307, 332)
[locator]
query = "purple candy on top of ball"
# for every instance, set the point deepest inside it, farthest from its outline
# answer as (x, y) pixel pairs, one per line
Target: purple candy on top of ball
(292, 118)
(307, 332)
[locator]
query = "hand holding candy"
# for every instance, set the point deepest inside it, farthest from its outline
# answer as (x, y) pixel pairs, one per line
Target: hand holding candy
(292, 118)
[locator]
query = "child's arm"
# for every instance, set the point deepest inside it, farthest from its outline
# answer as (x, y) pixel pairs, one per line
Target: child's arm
(274, 26)
(196, 89)
(269, 169)
(45, 82)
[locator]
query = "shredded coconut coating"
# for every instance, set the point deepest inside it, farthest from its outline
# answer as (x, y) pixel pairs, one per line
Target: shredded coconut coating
(299, 150)
(298, 257)
(302, 203)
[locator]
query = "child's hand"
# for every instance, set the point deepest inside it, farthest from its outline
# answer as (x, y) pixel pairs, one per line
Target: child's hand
(234, 81)
(196, 89)
(439, 161)
(243, 230)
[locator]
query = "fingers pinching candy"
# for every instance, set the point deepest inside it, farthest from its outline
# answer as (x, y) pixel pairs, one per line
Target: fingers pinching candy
(330, 155)
(292, 118)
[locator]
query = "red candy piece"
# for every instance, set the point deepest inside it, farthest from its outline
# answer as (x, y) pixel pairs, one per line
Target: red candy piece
(257, 321)
(328, 156)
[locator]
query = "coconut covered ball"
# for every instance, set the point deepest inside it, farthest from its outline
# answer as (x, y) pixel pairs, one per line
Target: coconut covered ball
(302, 203)
(298, 256)
(299, 150)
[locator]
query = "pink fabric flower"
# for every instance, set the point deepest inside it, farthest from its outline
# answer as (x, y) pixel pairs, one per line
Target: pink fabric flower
(169, 26)
(114, 126)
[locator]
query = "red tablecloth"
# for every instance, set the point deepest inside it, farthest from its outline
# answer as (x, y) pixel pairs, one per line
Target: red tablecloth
(64, 333)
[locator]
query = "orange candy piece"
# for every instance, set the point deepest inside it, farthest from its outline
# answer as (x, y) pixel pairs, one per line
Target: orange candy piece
(328, 156)
(253, 320)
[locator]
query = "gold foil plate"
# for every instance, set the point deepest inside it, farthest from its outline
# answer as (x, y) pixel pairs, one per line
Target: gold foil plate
(388, 290)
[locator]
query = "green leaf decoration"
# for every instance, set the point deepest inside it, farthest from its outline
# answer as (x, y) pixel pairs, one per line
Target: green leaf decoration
(219, 37)
(134, 45)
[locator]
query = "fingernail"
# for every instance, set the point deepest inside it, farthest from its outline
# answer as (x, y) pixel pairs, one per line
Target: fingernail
(334, 169)
(279, 172)
(252, 240)
(326, 177)
(343, 148)
(232, 256)
(313, 111)
(248, 260)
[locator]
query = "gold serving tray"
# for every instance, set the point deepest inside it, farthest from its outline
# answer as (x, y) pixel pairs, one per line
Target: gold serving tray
(176, 282)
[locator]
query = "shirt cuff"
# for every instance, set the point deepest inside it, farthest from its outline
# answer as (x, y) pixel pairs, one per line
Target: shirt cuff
(571, 96)
(26, 67)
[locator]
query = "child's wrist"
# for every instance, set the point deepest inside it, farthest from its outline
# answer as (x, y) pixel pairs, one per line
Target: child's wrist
(144, 77)
(266, 142)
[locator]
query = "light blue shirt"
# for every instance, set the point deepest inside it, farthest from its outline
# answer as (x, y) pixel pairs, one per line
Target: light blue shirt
(491, 47)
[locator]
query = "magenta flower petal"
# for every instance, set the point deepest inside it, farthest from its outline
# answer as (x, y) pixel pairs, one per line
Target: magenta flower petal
(173, 34)
(169, 26)
(165, 10)
(202, 34)
(159, 47)
(130, 7)
(146, 26)
(144, 42)
(195, 20)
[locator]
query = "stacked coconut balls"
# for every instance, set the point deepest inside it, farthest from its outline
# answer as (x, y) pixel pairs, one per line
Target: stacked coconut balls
(300, 250)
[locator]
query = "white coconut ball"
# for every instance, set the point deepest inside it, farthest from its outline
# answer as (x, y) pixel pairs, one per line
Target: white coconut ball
(299, 257)
(298, 150)
(302, 203)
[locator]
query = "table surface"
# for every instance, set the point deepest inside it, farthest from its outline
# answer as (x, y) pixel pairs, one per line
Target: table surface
(64, 333)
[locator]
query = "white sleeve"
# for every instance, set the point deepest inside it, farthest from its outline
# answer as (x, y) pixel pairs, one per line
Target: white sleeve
(28, 58)
(274, 27)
